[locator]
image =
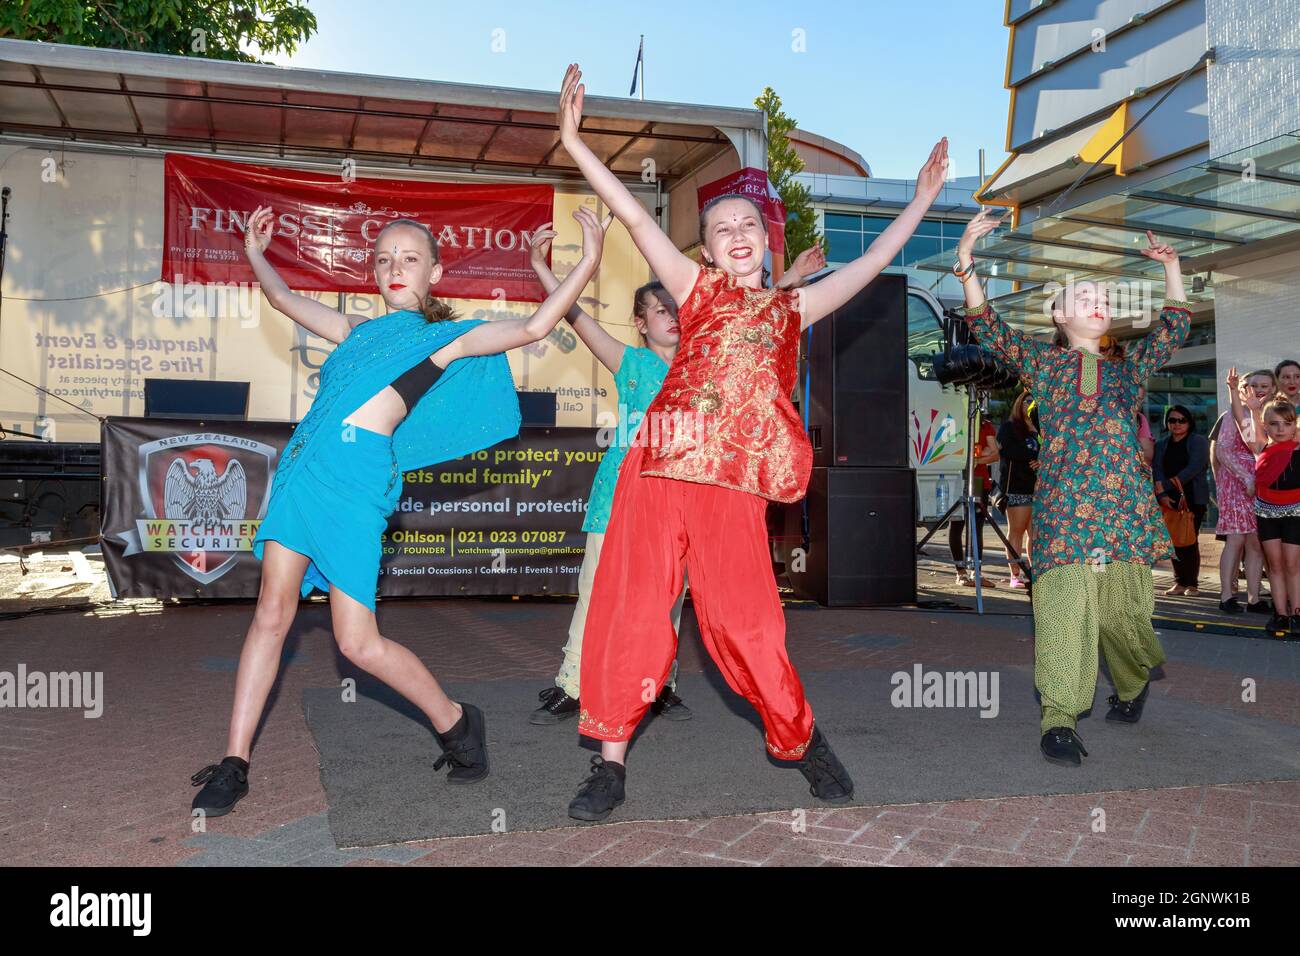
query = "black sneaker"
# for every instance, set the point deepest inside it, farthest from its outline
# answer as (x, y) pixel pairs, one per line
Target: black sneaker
(670, 707)
(1127, 711)
(557, 705)
(1278, 625)
(601, 792)
(224, 784)
(823, 770)
(464, 748)
(1062, 745)
(1260, 607)
(1231, 606)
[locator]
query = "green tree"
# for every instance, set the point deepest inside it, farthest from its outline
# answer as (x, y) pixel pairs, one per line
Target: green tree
(782, 165)
(217, 29)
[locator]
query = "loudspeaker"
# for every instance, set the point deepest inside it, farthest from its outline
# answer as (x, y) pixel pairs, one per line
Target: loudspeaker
(861, 544)
(855, 379)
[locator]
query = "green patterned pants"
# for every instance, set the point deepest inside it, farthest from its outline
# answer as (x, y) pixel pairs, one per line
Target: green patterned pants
(1076, 607)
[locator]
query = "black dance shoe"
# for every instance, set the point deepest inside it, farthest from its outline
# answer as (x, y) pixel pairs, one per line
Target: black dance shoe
(1127, 711)
(557, 705)
(464, 747)
(224, 784)
(601, 792)
(1231, 606)
(670, 707)
(1062, 745)
(823, 770)
(1260, 607)
(1277, 625)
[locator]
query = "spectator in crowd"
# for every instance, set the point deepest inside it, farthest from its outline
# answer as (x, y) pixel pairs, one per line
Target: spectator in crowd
(1181, 460)
(1233, 464)
(986, 452)
(1017, 441)
(1287, 374)
(1277, 506)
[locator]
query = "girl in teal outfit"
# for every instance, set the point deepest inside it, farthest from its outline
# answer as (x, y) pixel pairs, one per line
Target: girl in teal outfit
(638, 373)
(406, 390)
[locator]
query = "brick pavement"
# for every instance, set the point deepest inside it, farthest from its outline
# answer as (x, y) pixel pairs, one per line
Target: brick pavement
(114, 790)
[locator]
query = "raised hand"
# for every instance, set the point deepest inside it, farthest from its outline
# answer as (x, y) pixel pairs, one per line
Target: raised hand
(1233, 380)
(593, 233)
(812, 259)
(1159, 251)
(261, 225)
(539, 245)
(930, 180)
(571, 92)
(988, 219)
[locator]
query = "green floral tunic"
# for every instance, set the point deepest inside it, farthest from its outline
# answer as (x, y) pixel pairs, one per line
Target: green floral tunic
(1093, 502)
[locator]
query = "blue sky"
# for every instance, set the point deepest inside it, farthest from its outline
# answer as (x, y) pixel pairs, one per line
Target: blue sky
(885, 77)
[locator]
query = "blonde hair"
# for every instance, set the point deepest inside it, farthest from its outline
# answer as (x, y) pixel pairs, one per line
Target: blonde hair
(1282, 409)
(434, 309)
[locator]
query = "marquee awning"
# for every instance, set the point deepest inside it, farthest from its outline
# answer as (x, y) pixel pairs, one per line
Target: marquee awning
(70, 93)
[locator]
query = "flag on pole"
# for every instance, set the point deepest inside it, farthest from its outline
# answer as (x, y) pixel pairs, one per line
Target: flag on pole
(636, 70)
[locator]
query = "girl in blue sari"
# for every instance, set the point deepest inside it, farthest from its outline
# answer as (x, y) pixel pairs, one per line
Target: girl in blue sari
(403, 391)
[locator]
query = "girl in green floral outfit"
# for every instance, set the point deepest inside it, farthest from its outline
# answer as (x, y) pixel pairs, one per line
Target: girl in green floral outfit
(1097, 527)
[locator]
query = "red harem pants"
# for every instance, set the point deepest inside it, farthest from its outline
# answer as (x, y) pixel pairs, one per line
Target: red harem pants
(629, 644)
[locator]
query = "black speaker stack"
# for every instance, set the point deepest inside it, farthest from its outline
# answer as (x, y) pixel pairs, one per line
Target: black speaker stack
(852, 540)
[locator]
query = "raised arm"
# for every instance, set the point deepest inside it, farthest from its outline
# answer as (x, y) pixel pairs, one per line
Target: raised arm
(1254, 435)
(505, 334)
(676, 271)
(311, 315)
(830, 293)
(1022, 352)
(604, 346)
(1158, 346)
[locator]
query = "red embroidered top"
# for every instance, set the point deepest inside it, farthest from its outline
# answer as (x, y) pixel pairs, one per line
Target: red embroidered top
(723, 415)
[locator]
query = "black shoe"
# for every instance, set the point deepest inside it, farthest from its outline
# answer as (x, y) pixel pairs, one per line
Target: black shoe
(1062, 745)
(1231, 606)
(1260, 607)
(464, 747)
(601, 792)
(1295, 625)
(224, 785)
(1277, 624)
(670, 707)
(1127, 711)
(556, 706)
(823, 770)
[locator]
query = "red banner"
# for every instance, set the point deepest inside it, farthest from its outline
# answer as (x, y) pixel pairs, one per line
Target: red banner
(325, 227)
(753, 184)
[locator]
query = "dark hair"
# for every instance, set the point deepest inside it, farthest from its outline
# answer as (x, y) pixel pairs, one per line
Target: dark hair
(1059, 338)
(434, 309)
(1277, 371)
(641, 304)
(1185, 412)
(762, 220)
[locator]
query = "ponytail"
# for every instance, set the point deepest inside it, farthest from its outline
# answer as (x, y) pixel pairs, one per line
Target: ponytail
(435, 310)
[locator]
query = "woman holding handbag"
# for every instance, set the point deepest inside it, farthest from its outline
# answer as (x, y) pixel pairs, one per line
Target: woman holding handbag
(1182, 458)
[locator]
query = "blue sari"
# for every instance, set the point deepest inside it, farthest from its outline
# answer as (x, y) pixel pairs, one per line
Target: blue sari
(336, 484)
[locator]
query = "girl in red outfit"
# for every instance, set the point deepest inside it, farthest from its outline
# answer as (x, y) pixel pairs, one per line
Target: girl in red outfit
(1277, 506)
(719, 441)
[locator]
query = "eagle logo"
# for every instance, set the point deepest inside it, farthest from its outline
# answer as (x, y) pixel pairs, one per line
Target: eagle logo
(195, 492)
